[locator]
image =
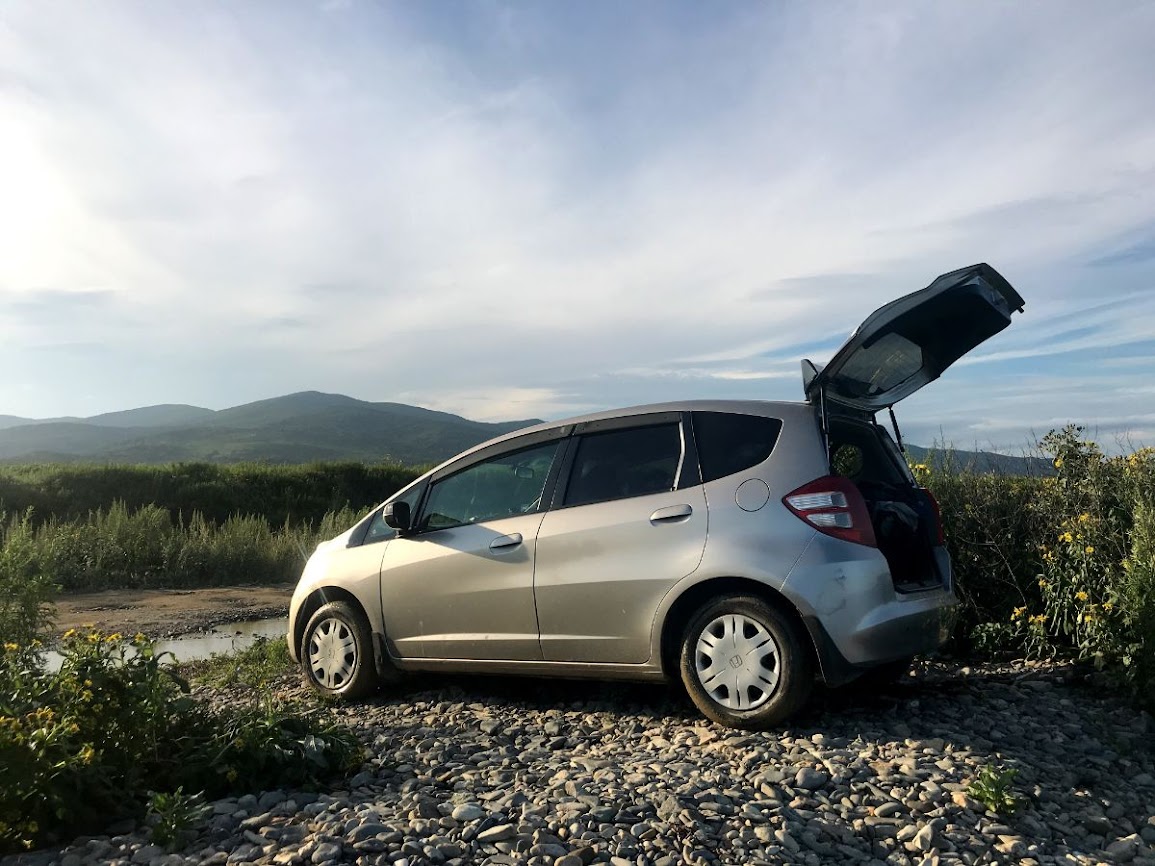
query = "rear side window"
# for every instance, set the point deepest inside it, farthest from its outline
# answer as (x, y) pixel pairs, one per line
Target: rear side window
(619, 464)
(729, 442)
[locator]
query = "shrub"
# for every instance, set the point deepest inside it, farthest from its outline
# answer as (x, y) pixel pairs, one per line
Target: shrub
(85, 744)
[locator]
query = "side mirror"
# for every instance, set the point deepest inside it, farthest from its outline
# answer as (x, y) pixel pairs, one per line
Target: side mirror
(397, 515)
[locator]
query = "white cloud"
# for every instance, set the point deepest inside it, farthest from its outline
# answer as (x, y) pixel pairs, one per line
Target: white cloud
(518, 215)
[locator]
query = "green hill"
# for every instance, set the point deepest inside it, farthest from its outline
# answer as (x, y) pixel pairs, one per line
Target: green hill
(295, 428)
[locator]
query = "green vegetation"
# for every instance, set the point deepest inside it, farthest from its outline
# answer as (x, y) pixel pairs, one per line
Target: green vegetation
(119, 548)
(293, 495)
(258, 667)
(1059, 566)
(83, 745)
(172, 815)
(994, 788)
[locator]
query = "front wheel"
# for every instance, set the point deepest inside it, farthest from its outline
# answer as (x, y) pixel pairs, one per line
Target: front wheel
(337, 652)
(745, 664)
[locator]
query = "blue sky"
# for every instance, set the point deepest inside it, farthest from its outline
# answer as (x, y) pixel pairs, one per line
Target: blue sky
(508, 210)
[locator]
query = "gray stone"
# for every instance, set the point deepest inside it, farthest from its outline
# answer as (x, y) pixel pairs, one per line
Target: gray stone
(146, 853)
(811, 779)
(467, 812)
(500, 833)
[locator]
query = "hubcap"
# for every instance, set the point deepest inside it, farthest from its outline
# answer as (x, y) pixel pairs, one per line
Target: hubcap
(332, 653)
(738, 662)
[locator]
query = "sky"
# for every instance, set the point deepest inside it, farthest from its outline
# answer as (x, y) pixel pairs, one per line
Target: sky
(515, 210)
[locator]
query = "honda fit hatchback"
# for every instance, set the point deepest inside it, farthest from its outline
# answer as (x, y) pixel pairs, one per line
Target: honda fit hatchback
(745, 548)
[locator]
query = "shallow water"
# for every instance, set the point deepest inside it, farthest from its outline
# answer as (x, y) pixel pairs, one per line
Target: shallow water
(220, 639)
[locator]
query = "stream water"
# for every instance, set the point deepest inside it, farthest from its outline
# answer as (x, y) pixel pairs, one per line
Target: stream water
(220, 639)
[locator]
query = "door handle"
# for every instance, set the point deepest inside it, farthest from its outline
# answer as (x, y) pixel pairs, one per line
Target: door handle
(671, 513)
(503, 541)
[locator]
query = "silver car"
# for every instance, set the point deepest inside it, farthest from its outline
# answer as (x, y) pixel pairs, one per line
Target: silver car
(744, 547)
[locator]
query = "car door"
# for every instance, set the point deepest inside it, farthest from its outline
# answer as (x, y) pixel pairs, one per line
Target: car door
(628, 522)
(460, 586)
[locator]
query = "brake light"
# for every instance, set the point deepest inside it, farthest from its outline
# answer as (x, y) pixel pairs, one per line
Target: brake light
(940, 538)
(833, 506)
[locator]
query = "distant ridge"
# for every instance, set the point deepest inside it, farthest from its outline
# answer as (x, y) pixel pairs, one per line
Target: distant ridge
(309, 426)
(295, 428)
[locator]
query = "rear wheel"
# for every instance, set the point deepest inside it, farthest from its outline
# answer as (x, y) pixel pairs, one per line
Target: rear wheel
(337, 652)
(744, 663)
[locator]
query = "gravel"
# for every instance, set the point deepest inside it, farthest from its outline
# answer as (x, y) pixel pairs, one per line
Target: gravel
(548, 773)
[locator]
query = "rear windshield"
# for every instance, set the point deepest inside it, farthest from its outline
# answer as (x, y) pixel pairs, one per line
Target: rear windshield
(729, 442)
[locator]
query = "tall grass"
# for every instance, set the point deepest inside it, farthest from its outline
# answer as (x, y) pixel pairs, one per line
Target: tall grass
(281, 494)
(145, 548)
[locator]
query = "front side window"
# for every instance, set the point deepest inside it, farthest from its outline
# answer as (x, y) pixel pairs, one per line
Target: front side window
(503, 486)
(618, 464)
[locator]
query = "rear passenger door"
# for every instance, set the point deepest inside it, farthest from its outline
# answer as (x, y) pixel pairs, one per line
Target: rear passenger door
(628, 522)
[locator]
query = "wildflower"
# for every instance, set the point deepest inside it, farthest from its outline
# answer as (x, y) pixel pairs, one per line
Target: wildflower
(1084, 517)
(1038, 619)
(1042, 583)
(231, 775)
(94, 637)
(88, 684)
(139, 637)
(113, 638)
(1058, 462)
(1067, 537)
(87, 753)
(1018, 612)
(1089, 549)
(74, 728)
(11, 647)
(1081, 596)
(1108, 606)
(71, 633)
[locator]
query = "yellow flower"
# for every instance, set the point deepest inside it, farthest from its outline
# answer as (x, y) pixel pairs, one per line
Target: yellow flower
(1081, 596)
(1038, 619)
(88, 684)
(231, 775)
(1042, 583)
(1084, 517)
(71, 633)
(1058, 462)
(94, 637)
(1108, 606)
(1018, 612)
(11, 647)
(113, 638)
(1089, 549)
(139, 637)
(1067, 537)
(87, 753)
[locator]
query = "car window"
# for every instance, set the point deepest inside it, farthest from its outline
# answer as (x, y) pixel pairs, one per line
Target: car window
(500, 487)
(378, 529)
(619, 464)
(729, 442)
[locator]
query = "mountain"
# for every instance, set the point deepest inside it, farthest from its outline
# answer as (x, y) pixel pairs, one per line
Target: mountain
(311, 425)
(983, 462)
(291, 429)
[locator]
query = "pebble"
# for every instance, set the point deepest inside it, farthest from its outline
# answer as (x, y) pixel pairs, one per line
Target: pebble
(548, 773)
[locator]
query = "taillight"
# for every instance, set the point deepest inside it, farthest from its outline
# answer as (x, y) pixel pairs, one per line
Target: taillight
(833, 506)
(940, 538)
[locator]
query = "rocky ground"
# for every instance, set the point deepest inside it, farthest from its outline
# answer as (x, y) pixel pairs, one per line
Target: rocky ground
(497, 771)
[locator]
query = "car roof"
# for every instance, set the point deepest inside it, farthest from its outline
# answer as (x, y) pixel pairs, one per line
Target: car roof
(778, 409)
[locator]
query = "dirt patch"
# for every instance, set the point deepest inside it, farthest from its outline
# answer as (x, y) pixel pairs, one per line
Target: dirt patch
(170, 612)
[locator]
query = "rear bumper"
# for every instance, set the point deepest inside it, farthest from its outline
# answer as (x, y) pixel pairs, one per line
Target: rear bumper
(854, 615)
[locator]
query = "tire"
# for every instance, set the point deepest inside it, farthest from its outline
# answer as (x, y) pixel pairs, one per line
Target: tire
(337, 652)
(745, 664)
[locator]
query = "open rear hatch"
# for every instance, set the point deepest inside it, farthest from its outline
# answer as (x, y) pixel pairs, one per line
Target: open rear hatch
(898, 349)
(911, 341)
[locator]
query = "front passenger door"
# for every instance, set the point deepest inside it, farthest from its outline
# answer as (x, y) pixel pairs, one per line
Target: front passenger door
(461, 585)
